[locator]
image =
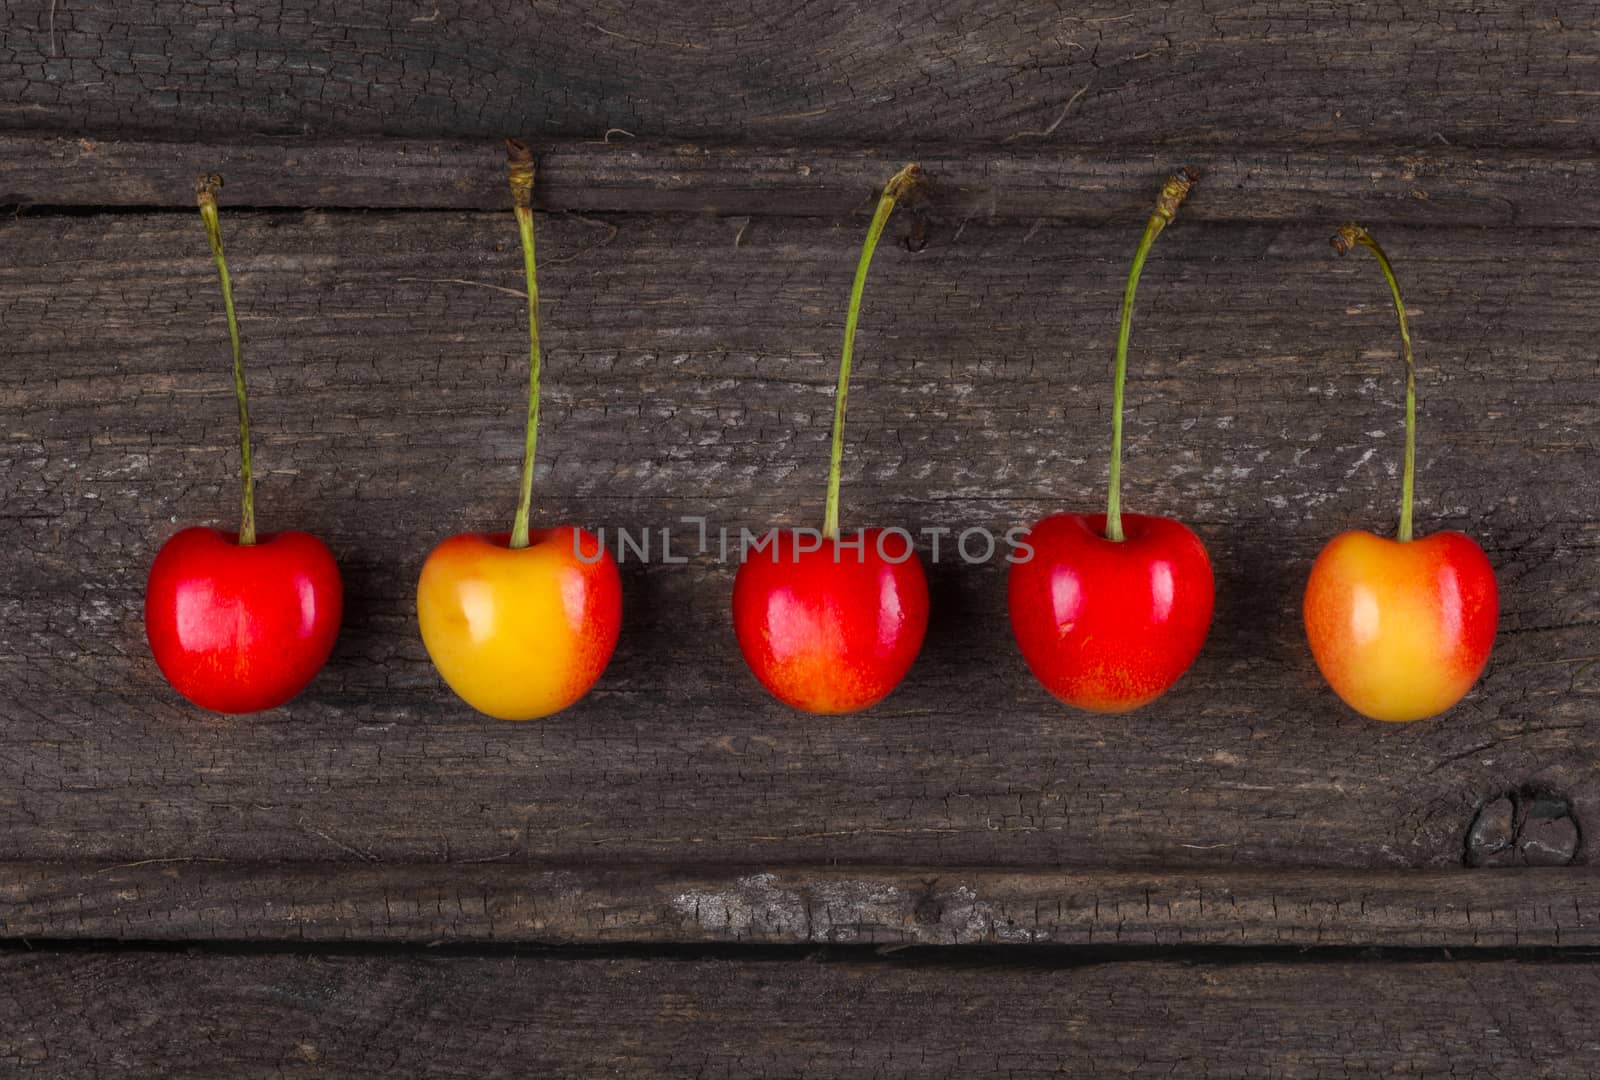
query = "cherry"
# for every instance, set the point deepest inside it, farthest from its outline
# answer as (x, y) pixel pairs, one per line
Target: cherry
(1402, 628)
(238, 622)
(824, 630)
(833, 626)
(521, 624)
(1110, 610)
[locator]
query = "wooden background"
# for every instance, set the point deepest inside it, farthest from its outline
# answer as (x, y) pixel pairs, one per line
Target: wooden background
(679, 876)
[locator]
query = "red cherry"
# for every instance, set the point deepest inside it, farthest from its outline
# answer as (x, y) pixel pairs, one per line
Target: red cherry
(833, 626)
(1111, 609)
(831, 630)
(240, 628)
(1109, 626)
(240, 622)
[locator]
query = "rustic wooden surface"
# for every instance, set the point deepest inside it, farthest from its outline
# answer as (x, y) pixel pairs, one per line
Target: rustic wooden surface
(706, 170)
(107, 1015)
(1498, 73)
(691, 375)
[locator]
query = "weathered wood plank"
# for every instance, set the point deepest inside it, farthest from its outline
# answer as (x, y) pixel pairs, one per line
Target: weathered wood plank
(690, 372)
(134, 1014)
(508, 904)
(1437, 185)
(1497, 72)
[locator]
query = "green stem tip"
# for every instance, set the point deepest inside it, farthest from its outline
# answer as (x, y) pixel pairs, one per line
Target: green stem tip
(902, 184)
(519, 172)
(205, 196)
(1347, 238)
(1173, 192)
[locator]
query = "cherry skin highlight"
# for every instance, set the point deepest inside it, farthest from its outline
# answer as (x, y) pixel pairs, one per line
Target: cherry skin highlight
(1105, 625)
(520, 633)
(829, 631)
(241, 628)
(1401, 631)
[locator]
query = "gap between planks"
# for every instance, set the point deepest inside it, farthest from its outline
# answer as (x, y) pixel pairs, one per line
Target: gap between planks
(1436, 185)
(481, 903)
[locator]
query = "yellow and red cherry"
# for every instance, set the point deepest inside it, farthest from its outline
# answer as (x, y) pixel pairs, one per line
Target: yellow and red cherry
(521, 624)
(1110, 610)
(240, 622)
(520, 633)
(834, 626)
(1401, 628)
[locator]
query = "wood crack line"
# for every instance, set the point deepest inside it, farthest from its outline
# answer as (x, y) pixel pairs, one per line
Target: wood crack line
(968, 184)
(202, 899)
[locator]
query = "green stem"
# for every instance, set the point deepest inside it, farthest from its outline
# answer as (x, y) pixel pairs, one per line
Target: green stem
(519, 167)
(899, 186)
(205, 195)
(1172, 195)
(1350, 236)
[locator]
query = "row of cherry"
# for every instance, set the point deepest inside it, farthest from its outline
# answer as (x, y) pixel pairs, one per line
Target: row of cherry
(1109, 612)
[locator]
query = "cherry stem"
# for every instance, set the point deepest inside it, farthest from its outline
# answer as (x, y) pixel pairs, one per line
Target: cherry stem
(205, 195)
(1351, 236)
(1172, 195)
(519, 169)
(899, 186)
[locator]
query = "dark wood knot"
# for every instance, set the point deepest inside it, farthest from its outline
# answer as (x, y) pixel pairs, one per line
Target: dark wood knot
(1526, 827)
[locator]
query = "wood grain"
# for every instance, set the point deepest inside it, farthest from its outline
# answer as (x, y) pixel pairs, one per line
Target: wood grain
(127, 1014)
(705, 171)
(1433, 185)
(1499, 73)
(500, 903)
(690, 372)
